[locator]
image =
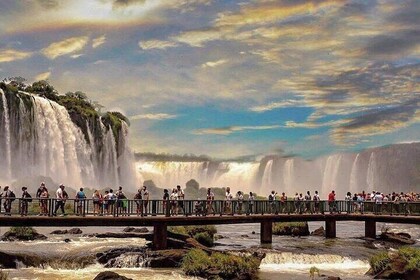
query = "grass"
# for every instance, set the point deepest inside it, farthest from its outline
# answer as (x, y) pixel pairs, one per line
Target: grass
(24, 232)
(203, 234)
(279, 228)
(383, 260)
(227, 266)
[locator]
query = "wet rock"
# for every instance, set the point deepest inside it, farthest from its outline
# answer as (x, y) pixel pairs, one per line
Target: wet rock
(400, 238)
(319, 232)
(122, 235)
(291, 228)
(75, 231)
(109, 275)
(22, 234)
(58, 231)
(67, 240)
(138, 230)
(165, 258)
(244, 235)
(253, 232)
(107, 256)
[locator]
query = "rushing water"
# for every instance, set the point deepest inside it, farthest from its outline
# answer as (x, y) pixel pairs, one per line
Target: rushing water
(286, 258)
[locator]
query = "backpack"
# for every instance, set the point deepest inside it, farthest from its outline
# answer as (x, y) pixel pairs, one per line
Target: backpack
(28, 197)
(12, 196)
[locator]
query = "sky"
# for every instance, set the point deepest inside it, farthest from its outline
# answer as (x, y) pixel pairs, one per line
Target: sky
(229, 78)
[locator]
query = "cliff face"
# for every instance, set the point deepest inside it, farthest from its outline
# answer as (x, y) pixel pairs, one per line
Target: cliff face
(63, 137)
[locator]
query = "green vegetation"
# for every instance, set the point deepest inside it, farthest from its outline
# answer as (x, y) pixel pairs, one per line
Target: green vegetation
(291, 228)
(203, 234)
(218, 265)
(23, 232)
(405, 260)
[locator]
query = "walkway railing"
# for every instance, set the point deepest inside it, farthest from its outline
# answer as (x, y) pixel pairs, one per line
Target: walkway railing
(129, 207)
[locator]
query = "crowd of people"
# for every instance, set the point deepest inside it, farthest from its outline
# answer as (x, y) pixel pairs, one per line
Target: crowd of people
(173, 203)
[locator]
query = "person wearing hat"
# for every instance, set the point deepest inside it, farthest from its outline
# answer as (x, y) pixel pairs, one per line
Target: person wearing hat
(8, 196)
(26, 198)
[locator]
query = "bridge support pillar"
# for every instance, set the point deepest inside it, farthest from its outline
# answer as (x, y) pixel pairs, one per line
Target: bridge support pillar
(330, 229)
(266, 232)
(370, 229)
(160, 235)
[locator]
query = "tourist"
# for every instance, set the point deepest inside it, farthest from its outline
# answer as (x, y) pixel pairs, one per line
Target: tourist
(360, 202)
(97, 200)
(80, 201)
(8, 197)
(348, 200)
(43, 199)
(105, 204)
(121, 202)
(180, 196)
(228, 201)
(165, 200)
(251, 199)
(283, 203)
(210, 202)
(138, 199)
(377, 198)
(240, 198)
(111, 201)
(317, 201)
(174, 202)
(307, 199)
(272, 202)
(145, 200)
(26, 198)
(60, 201)
(332, 204)
(296, 203)
(38, 196)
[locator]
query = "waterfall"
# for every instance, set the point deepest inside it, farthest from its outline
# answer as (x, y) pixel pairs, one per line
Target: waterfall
(6, 126)
(109, 157)
(288, 176)
(240, 176)
(370, 178)
(267, 176)
(353, 176)
(329, 181)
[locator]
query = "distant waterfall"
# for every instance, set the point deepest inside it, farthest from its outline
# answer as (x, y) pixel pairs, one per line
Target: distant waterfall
(288, 175)
(332, 166)
(267, 175)
(6, 126)
(39, 138)
(371, 172)
(353, 176)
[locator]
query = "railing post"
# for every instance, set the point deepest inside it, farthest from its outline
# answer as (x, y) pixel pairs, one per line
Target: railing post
(330, 228)
(266, 233)
(370, 228)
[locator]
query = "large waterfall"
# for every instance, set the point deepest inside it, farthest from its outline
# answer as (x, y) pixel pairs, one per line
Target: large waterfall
(39, 138)
(387, 169)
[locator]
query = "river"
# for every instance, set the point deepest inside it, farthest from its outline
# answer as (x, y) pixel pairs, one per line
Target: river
(286, 258)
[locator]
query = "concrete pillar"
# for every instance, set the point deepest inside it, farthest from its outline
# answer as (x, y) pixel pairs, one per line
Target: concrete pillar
(160, 235)
(330, 229)
(370, 229)
(266, 232)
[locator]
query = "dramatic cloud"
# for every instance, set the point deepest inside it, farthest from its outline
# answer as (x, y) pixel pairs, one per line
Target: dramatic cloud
(98, 41)
(8, 55)
(213, 64)
(231, 129)
(156, 44)
(155, 117)
(43, 76)
(276, 105)
(65, 47)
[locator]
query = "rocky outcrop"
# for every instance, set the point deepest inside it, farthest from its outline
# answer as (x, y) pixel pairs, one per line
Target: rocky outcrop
(136, 230)
(400, 238)
(22, 234)
(109, 275)
(65, 231)
(292, 228)
(318, 232)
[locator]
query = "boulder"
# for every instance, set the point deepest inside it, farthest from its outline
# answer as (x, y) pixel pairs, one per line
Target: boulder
(22, 234)
(109, 275)
(400, 238)
(58, 231)
(318, 232)
(138, 230)
(75, 231)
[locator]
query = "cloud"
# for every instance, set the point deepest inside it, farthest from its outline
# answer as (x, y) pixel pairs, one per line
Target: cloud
(156, 44)
(231, 129)
(394, 45)
(7, 55)
(43, 76)
(118, 4)
(65, 47)
(213, 64)
(98, 41)
(76, 55)
(155, 117)
(276, 105)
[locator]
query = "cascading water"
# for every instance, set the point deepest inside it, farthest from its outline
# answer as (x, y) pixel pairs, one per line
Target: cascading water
(329, 181)
(354, 187)
(288, 175)
(370, 179)
(39, 138)
(267, 175)
(6, 128)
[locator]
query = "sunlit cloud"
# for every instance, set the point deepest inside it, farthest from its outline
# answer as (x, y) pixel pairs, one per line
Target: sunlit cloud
(231, 129)
(213, 64)
(276, 105)
(65, 47)
(7, 55)
(43, 76)
(98, 41)
(156, 44)
(155, 117)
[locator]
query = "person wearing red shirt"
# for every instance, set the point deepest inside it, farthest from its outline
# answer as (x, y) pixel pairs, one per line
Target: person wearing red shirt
(331, 202)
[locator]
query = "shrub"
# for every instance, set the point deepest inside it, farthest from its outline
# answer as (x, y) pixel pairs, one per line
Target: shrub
(195, 262)
(203, 234)
(379, 262)
(287, 228)
(25, 232)
(205, 239)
